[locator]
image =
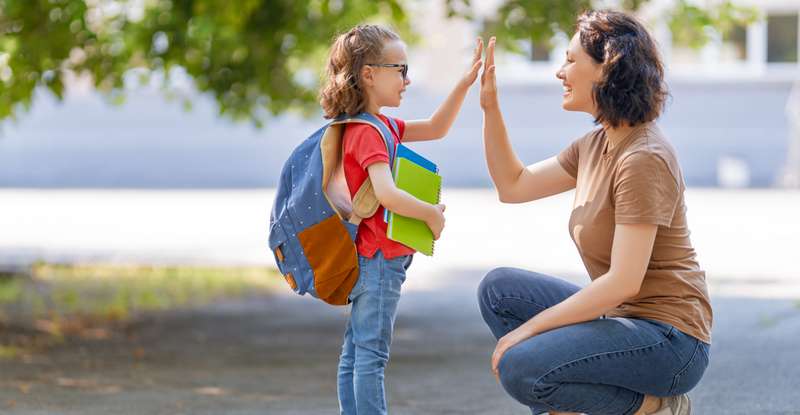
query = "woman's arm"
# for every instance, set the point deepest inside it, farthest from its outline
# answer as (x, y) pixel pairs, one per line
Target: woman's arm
(401, 202)
(442, 119)
(514, 182)
(630, 254)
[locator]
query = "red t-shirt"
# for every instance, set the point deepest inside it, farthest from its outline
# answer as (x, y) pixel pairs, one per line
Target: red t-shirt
(364, 146)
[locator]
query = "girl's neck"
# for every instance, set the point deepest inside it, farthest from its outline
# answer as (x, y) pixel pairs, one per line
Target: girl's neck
(373, 109)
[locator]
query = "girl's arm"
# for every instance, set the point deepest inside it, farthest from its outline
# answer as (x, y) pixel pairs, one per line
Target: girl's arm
(514, 182)
(401, 202)
(442, 119)
(630, 253)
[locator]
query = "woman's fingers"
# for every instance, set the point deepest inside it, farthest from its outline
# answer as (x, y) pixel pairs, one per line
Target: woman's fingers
(488, 82)
(490, 52)
(488, 63)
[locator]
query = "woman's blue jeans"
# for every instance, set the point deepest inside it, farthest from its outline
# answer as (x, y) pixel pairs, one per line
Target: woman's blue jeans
(603, 366)
(368, 335)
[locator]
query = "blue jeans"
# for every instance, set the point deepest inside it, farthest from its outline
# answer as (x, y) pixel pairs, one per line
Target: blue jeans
(603, 366)
(368, 335)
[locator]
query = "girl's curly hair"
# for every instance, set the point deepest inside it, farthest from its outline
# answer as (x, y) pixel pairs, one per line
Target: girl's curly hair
(342, 92)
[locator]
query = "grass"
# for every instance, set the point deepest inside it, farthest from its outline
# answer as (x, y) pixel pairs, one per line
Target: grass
(54, 297)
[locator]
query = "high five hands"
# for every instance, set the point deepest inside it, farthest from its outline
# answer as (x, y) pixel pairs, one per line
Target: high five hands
(488, 97)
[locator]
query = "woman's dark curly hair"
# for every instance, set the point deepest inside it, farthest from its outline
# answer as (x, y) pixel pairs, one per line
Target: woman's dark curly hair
(631, 88)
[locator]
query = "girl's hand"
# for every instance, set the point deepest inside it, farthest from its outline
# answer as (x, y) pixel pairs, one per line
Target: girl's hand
(471, 75)
(436, 221)
(506, 342)
(488, 81)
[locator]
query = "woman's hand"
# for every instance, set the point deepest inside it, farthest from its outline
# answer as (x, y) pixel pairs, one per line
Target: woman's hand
(506, 342)
(488, 80)
(472, 74)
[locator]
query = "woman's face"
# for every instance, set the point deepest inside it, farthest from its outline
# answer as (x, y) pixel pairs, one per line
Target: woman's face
(578, 75)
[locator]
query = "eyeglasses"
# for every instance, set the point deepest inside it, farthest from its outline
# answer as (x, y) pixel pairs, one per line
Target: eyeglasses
(403, 72)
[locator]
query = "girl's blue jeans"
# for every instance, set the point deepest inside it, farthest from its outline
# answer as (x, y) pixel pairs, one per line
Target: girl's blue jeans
(368, 334)
(599, 367)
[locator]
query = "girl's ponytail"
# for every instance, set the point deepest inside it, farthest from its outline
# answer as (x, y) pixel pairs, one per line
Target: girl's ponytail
(342, 92)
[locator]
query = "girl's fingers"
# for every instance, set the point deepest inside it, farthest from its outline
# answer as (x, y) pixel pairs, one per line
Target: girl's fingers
(478, 49)
(476, 66)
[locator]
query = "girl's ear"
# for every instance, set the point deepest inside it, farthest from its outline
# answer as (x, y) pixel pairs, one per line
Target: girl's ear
(367, 75)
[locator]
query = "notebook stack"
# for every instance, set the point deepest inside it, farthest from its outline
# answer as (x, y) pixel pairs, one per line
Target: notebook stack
(419, 177)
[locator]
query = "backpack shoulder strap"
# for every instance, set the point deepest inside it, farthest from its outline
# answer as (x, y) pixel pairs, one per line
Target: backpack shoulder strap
(395, 127)
(375, 122)
(365, 203)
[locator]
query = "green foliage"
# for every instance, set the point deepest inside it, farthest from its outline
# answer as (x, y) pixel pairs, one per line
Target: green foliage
(115, 292)
(690, 25)
(255, 57)
(10, 290)
(518, 23)
(533, 21)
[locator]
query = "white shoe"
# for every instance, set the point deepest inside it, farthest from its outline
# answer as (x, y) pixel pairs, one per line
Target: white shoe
(675, 405)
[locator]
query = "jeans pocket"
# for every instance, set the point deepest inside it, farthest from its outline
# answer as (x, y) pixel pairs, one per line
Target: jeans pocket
(689, 376)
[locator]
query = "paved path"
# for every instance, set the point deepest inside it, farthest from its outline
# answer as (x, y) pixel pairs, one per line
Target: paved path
(278, 355)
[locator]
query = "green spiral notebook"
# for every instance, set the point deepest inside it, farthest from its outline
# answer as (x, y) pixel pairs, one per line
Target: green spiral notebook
(425, 185)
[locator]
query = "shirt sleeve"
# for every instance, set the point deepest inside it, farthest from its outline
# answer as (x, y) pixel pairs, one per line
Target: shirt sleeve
(366, 146)
(645, 191)
(401, 129)
(568, 158)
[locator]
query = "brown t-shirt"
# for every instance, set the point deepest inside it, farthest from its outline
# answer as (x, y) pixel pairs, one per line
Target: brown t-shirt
(639, 181)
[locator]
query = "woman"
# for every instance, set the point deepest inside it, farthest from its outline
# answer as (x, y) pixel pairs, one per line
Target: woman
(636, 339)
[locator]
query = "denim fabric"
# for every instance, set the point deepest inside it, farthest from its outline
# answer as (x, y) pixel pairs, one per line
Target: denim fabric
(603, 366)
(368, 334)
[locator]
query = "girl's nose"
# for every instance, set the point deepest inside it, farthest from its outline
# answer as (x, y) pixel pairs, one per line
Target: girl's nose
(407, 81)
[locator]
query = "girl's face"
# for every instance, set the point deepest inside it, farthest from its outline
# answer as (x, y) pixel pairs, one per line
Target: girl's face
(385, 85)
(578, 75)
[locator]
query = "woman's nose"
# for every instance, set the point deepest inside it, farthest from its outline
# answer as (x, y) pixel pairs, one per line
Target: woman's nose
(407, 81)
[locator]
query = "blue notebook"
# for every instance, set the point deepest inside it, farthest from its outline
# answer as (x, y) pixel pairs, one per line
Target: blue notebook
(414, 157)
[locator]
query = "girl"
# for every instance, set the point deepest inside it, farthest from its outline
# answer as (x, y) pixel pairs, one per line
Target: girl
(367, 70)
(636, 339)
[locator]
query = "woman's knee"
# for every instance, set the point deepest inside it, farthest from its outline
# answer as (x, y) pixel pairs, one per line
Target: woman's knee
(521, 375)
(492, 283)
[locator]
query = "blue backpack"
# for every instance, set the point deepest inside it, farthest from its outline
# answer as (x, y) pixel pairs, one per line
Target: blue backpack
(313, 225)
